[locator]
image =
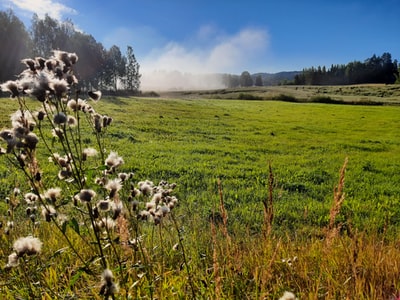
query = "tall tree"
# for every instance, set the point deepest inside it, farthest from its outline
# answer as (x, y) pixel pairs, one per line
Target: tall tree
(245, 79)
(15, 45)
(132, 78)
(115, 67)
(92, 56)
(258, 81)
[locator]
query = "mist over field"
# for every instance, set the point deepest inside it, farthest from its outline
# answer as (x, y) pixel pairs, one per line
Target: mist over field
(175, 80)
(194, 65)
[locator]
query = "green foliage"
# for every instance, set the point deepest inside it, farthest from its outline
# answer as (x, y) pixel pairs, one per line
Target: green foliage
(246, 96)
(376, 69)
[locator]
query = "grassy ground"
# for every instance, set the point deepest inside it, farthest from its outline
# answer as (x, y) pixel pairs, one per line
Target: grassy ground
(218, 151)
(366, 94)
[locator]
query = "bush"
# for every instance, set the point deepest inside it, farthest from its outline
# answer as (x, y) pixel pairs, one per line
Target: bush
(246, 96)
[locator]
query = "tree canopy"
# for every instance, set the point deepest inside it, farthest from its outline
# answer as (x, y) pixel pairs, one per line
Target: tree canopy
(376, 69)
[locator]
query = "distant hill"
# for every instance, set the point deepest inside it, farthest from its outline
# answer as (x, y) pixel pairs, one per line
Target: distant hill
(276, 78)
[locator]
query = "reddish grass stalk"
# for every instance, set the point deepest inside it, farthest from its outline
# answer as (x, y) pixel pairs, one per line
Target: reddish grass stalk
(338, 199)
(217, 278)
(269, 204)
(223, 212)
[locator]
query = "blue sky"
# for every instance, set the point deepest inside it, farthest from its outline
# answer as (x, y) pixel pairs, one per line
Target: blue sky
(232, 35)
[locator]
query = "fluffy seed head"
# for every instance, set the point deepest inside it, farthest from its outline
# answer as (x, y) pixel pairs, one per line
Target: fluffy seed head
(288, 296)
(60, 118)
(52, 194)
(27, 245)
(12, 260)
(114, 160)
(95, 95)
(48, 212)
(86, 195)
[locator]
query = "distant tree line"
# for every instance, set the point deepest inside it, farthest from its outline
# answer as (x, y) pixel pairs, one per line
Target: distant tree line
(377, 69)
(98, 68)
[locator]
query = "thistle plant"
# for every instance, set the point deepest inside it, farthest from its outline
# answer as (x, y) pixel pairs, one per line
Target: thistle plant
(83, 193)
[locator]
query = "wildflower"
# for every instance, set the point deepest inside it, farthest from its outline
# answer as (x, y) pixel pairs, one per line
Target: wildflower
(52, 194)
(124, 176)
(95, 95)
(72, 121)
(164, 210)
(16, 191)
(86, 195)
(74, 104)
(97, 122)
(58, 132)
(27, 245)
(116, 208)
(108, 286)
(146, 187)
(12, 87)
(62, 56)
(107, 223)
(64, 173)
(288, 296)
(10, 224)
(50, 64)
(6, 134)
(62, 218)
(104, 205)
(71, 79)
(41, 87)
(40, 115)
(88, 152)
(30, 63)
(60, 118)
(48, 212)
(31, 140)
(135, 192)
(113, 160)
(25, 85)
(144, 215)
(73, 58)
(114, 186)
(31, 198)
(135, 205)
(41, 62)
(157, 197)
(22, 118)
(151, 206)
(157, 219)
(107, 121)
(58, 87)
(12, 260)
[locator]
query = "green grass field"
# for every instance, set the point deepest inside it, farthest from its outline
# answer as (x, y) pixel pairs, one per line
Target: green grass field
(197, 141)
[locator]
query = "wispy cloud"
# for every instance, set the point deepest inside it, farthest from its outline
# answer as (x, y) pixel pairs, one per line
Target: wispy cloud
(225, 53)
(52, 8)
(213, 53)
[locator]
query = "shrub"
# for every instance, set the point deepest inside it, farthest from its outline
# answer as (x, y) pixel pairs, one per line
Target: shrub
(246, 96)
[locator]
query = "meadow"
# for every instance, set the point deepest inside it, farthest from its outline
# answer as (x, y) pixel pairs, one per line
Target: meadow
(256, 186)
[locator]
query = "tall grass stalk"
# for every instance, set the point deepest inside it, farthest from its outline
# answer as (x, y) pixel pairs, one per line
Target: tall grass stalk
(338, 199)
(269, 204)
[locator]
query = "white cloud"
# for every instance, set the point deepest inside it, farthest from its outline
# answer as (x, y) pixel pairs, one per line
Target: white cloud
(226, 54)
(54, 9)
(218, 53)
